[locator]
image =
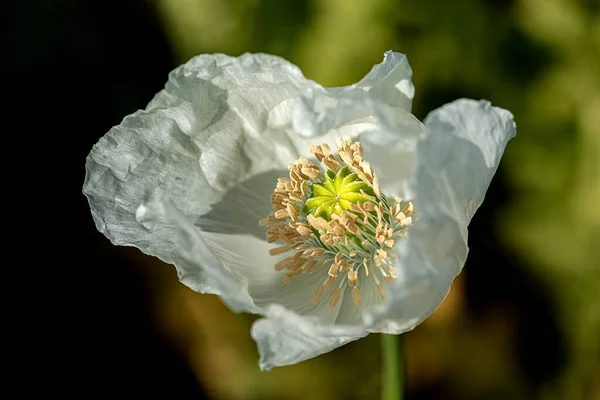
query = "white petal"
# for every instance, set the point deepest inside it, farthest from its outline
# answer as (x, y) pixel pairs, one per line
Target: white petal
(391, 81)
(247, 258)
(284, 338)
(352, 315)
(209, 129)
(378, 106)
(465, 142)
(391, 151)
(383, 92)
(388, 135)
(160, 216)
(456, 161)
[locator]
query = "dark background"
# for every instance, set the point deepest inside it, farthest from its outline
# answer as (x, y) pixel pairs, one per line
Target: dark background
(89, 318)
(73, 72)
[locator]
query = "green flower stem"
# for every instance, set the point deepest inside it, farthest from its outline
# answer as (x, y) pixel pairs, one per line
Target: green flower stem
(392, 383)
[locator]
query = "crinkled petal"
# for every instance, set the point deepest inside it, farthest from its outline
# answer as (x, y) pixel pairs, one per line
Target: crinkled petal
(389, 135)
(384, 91)
(455, 162)
(379, 105)
(214, 125)
(160, 216)
(390, 81)
(470, 156)
(391, 152)
(284, 338)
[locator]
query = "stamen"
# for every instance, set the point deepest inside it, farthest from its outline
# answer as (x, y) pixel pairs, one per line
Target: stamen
(303, 230)
(318, 294)
(318, 223)
(297, 175)
(331, 163)
(338, 257)
(281, 264)
(294, 266)
(282, 214)
(305, 162)
(368, 206)
(381, 290)
(345, 158)
(330, 282)
(335, 215)
(317, 252)
(345, 266)
(296, 199)
(326, 150)
(349, 216)
(376, 186)
(309, 265)
(351, 227)
(290, 275)
(356, 296)
(352, 278)
(338, 230)
(303, 188)
(311, 172)
(335, 296)
(393, 273)
(292, 211)
(279, 250)
(381, 255)
(405, 221)
(333, 270)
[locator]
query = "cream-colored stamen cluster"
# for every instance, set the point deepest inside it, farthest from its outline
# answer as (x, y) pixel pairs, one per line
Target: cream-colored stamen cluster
(338, 218)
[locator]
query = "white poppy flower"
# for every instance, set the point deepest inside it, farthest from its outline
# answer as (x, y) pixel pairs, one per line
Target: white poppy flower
(375, 233)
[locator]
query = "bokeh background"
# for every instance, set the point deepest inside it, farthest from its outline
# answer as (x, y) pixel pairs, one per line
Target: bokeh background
(521, 322)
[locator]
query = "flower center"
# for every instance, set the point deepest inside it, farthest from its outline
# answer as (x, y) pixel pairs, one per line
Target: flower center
(337, 193)
(338, 219)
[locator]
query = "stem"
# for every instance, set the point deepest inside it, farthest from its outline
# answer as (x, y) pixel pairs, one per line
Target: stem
(392, 367)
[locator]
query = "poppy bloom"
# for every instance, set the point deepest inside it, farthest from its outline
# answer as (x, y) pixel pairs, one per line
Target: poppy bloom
(330, 212)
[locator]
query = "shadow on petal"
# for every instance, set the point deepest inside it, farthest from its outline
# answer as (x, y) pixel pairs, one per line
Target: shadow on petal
(242, 206)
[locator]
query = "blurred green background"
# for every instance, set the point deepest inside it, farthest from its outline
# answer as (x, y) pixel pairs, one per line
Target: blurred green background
(523, 319)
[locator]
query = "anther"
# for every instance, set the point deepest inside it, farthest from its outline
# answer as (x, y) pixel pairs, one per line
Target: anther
(333, 270)
(335, 296)
(279, 250)
(352, 278)
(356, 296)
(318, 294)
(393, 273)
(381, 290)
(330, 282)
